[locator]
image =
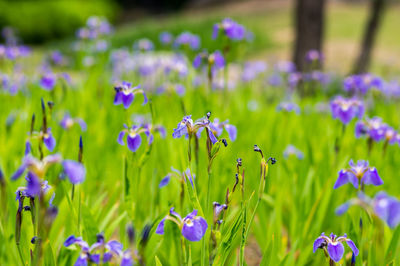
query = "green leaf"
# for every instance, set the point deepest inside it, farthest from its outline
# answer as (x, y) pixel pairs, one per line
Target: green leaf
(394, 243)
(90, 225)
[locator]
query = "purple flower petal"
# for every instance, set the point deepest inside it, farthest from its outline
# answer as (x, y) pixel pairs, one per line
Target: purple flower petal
(121, 136)
(118, 98)
(19, 172)
(115, 246)
(212, 137)
(81, 261)
(69, 241)
(164, 181)
(127, 99)
(232, 132)
(371, 177)
(134, 141)
(34, 185)
(352, 246)
(336, 251)
(49, 141)
(318, 243)
(160, 227)
(75, 171)
(194, 229)
(344, 178)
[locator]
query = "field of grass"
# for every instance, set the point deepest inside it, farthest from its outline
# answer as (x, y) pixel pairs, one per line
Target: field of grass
(121, 187)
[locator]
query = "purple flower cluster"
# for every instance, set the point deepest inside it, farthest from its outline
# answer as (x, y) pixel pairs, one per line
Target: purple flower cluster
(375, 129)
(230, 29)
(362, 83)
(346, 109)
(95, 27)
(214, 60)
(187, 39)
(333, 245)
(192, 227)
(99, 252)
(358, 174)
(253, 69)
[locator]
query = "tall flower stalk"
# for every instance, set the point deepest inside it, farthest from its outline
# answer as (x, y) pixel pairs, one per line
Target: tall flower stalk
(263, 176)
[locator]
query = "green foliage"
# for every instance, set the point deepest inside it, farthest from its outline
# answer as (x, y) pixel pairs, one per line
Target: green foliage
(40, 21)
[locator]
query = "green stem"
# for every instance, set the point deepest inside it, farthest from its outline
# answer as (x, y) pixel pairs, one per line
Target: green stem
(20, 254)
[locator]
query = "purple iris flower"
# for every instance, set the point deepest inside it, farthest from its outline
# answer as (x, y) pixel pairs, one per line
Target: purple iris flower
(363, 83)
(111, 249)
(67, 122)
(75, 171)
(188, 127)
(188, 39)
(143, 45)
(48, 81)
(382, 205)
(230, 29)
(333, 245)
(133, 139)
(166, 38)
(35, 166)
(214, 60)
(285, 67)
(292, 150)
(376, 130)
(314, 56)
(217, 127)
(182, 176)
(125, 94)
(346, 109)
(33, 187)
(288, 107)
(387, 208)
(253, 69)
(358, 174)
(57, 58)
(193, 227)
(218, 209)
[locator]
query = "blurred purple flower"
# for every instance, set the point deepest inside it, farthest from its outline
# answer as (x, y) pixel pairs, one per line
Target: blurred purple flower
(230, 29)
(288, 107)
(166, 38)
(382, 205)
(67, 122)
(75, 171)
(346, 109)
(187, 39)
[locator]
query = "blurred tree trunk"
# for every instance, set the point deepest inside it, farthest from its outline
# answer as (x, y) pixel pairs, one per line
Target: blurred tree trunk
(371, 28)
(309, 20)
